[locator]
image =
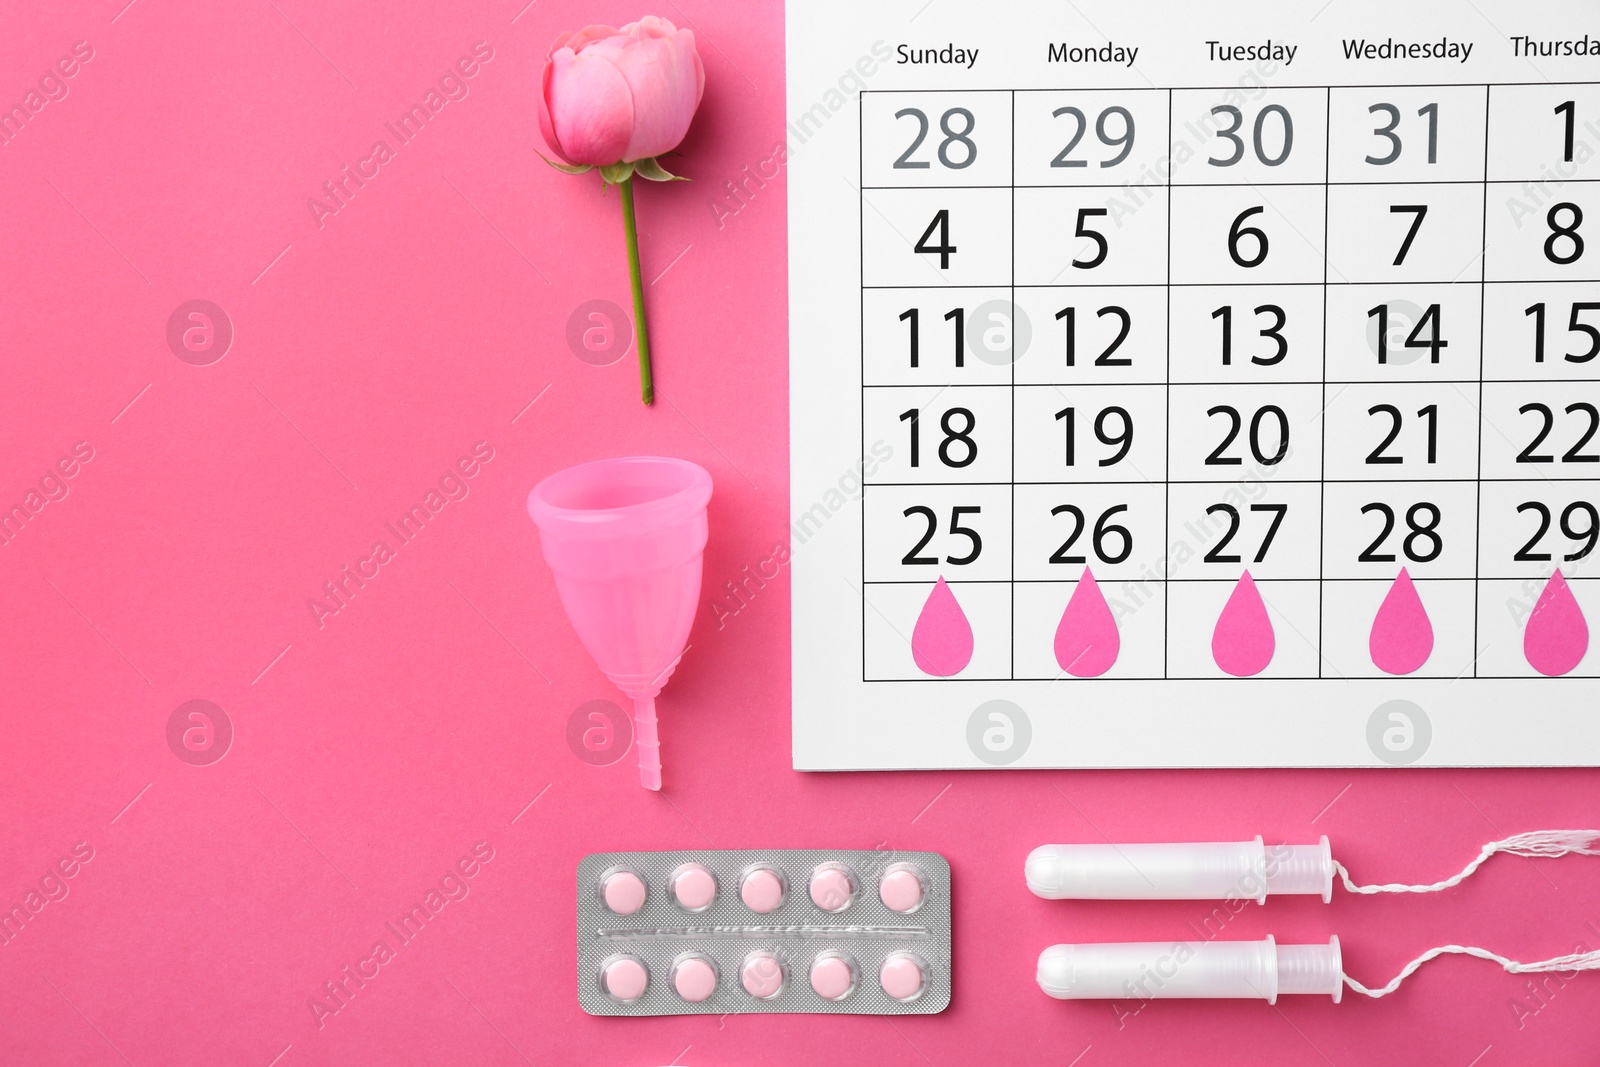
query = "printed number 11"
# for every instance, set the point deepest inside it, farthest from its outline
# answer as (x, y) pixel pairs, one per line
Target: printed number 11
(956, 315)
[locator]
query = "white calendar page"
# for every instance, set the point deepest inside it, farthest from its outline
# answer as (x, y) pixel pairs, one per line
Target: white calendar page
(1194, 384)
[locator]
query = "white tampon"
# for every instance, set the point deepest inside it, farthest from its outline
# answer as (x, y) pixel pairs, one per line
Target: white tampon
(1223, 870)
(1260, 970)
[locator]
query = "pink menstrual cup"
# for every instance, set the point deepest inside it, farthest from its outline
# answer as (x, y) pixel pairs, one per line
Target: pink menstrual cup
(624, 538)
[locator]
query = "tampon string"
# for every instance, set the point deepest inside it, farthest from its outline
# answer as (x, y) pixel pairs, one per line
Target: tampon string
(1579, 961)
(1546, 844)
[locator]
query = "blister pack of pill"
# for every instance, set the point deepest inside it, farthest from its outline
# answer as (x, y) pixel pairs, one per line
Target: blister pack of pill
(697, 931)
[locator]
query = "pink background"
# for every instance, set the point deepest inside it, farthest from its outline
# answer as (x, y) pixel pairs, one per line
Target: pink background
(375, 750)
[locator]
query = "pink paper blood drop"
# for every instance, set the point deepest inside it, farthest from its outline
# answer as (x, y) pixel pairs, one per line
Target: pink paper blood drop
(1243, 642)
(942, 641)
(1402, 637)
(1087, 641)
(1557, 634)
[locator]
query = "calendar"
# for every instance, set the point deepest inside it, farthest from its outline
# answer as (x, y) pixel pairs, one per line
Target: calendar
(1185, 385)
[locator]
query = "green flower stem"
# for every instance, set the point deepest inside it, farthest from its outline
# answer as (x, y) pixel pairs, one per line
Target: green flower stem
(647, 390)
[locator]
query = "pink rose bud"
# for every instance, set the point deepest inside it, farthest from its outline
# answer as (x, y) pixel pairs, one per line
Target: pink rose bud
(617, 96)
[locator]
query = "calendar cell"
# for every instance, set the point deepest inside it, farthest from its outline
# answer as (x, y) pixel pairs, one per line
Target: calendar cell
(931, 139)
(1349, 610)
(1102, 137)
(1249, 136)
(1503, 610)
(1268, 528)
(1118, 530)
(1533, 431)
(1371, 530)
(1405, 233)
(1137, 607)
(1246, 333)
(1533, 527)
(1412, 133)
(1545, 332)
(936, 237)
(1253, 235)
(1260, 431)
(1090, 433)
(1544, 133)
(1546, 233)
(1291, 609)
(889, 618)
(1399, 333)
(926, 337)
(1094, 335)
(919, 533)
(1401, 431)
(1089, 236)
(941, 435)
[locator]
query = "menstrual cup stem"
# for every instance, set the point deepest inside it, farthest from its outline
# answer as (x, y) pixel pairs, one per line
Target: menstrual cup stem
(644, 725)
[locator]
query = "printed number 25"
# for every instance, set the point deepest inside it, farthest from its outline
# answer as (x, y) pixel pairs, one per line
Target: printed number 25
(926, 513)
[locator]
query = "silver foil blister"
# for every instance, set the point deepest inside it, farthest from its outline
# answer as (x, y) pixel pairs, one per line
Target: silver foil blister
(727, 934)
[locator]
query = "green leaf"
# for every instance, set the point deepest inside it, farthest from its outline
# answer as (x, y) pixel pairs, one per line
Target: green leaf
(652, 170)
(565, 168)
(617, 173)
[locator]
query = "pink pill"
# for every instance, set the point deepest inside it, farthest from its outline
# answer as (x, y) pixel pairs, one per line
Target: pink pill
(694, 887)
(623, 892)
(902, 976)
(901, 890)
(762, 975)
(625, 979)
(831, 888)
(761, 890)
(832, 977)
(694, 979)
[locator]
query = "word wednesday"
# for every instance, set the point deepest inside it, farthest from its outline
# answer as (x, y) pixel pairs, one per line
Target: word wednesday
(1444, 48)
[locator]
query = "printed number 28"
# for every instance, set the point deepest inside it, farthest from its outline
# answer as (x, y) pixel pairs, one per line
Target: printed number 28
(958, 159)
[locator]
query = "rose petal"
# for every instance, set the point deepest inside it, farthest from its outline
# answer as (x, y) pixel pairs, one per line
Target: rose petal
(591, 108)
(666, 79)
(650, 26)
(547, 128)
(699, 73)
(611, 48)
(584, 37)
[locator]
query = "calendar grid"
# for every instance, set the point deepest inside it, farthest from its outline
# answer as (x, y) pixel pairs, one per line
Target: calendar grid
(1333, 283)
(1322, 416)
(1483, 297)
(1166, 414)
(1282, 481)
(1196, 581)
(1425, 395)
(1206, 185)
(861, 327)
(1012, 368)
